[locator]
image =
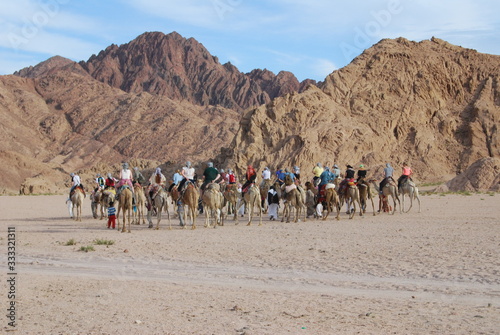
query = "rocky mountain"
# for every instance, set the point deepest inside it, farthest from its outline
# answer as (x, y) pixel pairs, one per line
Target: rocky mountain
(63, 120)
(431, 104)
(183, 69)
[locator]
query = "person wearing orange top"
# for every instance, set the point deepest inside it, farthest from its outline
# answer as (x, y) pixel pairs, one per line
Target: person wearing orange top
(407, 172)
(251, 175)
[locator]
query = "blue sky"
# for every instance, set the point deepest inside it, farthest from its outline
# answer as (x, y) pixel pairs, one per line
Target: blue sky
(309, 38)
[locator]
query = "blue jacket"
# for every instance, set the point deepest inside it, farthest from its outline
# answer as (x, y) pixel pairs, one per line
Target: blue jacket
(326, 177)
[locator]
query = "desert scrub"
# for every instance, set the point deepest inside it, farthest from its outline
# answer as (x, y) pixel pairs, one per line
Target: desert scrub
(71, 242)
(104, 242)
(87, 248)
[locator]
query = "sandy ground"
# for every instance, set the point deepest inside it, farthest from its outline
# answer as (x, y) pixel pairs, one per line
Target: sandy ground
(434, 272)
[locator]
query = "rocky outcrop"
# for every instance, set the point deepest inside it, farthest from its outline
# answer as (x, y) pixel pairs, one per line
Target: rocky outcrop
(183, 69)
(482, 175)
(431, 104)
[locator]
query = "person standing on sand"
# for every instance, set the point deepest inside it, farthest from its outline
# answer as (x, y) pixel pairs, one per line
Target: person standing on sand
(111, 215)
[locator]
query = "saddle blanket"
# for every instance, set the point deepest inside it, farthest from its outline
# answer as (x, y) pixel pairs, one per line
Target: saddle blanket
(329, 186)
(289, 188)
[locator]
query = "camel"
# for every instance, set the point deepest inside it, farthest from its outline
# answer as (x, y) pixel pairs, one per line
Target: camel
(264, 188)
(252, 200)
(213, 201)
(95, 202)
(77, 201)
(108, 196)
(294, 198)
(160, 203)
(140, 199)
(125, 206)
(351, 197)
(408, 187)
(364, 194)
(190, 199)
(332, 201)
(389, 189)
(232, 195)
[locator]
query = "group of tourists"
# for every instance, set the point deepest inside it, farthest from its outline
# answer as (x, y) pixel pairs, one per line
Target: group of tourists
(285, 178)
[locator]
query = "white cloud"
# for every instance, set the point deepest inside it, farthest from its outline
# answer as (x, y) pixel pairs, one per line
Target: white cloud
(320, 68)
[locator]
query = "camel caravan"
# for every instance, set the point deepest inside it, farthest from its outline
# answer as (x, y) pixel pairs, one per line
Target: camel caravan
(219, 195)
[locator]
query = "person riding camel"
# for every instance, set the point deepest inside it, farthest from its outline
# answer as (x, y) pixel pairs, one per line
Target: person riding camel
(176, 179)
(138, 177)
(100, 183)
(327, 177)
(349, 177)
(296, 172)
(388, 172)
(125, 180)
(251, 175)
(336, 171)
(231, 178)
(361, 174)
(188, 173)
(280, 176)
(266, 176)
(156, 181)
(223, 177)
(210, 175)
(317, 171)
(407, 172)
(110, 182)
(76, 182)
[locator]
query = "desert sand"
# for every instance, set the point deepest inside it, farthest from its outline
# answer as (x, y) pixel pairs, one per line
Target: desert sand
(434, 272)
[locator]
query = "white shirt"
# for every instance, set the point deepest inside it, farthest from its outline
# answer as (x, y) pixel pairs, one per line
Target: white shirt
(188, 172)
(266, 174)
(126, 174)
(76, 180)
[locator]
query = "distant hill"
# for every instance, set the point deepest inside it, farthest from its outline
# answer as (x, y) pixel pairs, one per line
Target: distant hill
(183, 69)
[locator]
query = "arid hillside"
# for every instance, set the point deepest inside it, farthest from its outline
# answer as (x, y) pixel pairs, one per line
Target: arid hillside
(432, 104)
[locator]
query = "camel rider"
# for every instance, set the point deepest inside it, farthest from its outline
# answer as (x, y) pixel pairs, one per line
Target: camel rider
(100, 183)
(125, 179)
(75, 182)
(231, 178)
(290, 175)
(188, 173)
(349, 177)
(266, 176)
(110, 181)
(407, 172)
(361, 174)
(156, 181)
(388, 172)
(210, 175)
(317, 171)
(296, 172)
(280, 176)
(138, 177)
(336, 171)
(176, 179)
(223, 176)
(326, 177)
(251, 175)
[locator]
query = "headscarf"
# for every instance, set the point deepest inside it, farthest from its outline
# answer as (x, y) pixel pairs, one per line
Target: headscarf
(158, 170)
